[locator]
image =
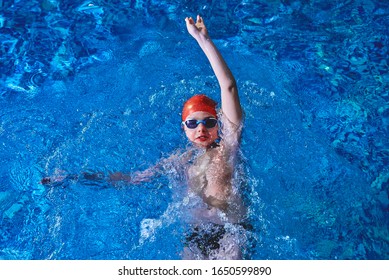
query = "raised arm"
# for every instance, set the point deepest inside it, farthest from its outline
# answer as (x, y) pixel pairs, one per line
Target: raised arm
(229, 91)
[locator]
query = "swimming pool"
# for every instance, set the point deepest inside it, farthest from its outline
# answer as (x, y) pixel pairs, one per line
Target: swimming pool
(99, 85)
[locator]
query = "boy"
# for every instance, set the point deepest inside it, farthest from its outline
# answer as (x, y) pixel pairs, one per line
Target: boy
(215, 210)
(210, 176)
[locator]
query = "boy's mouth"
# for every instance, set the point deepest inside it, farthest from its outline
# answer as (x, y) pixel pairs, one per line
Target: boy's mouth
(202, 138)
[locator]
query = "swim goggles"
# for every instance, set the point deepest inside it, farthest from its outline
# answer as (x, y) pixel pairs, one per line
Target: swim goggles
(208, 123)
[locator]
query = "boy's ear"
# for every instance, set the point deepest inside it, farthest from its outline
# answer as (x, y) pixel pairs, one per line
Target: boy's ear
(182, 126)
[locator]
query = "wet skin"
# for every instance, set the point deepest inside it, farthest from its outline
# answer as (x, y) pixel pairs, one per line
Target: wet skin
(201, 136)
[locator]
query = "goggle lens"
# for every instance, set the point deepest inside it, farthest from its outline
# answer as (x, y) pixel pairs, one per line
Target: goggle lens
(208, 123)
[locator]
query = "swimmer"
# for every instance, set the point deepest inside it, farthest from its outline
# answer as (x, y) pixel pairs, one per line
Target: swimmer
(210, 176)
(216, 210)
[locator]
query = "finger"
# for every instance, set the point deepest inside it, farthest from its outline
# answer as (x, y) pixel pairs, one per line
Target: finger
(189, 20)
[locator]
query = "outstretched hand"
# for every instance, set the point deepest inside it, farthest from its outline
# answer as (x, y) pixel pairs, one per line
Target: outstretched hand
(57, 177)
(196, 29)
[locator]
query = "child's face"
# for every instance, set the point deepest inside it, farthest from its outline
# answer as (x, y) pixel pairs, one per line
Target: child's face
(201, 135)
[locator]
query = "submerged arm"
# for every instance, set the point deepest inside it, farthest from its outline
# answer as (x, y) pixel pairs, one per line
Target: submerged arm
(150, 173)
(137, 177)
(229, 91)
(115, 177)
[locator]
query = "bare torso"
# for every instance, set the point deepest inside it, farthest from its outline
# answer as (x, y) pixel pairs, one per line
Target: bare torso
(210, 178)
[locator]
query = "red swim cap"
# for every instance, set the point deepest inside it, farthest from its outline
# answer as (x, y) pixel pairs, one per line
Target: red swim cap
(199, 102)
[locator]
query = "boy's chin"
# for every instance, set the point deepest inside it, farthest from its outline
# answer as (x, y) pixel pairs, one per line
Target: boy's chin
(202, 144)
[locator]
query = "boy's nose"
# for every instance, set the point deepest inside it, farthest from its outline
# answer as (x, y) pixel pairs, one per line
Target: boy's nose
(201, 127)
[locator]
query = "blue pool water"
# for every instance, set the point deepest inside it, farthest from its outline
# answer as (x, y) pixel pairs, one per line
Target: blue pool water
(99, 85)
